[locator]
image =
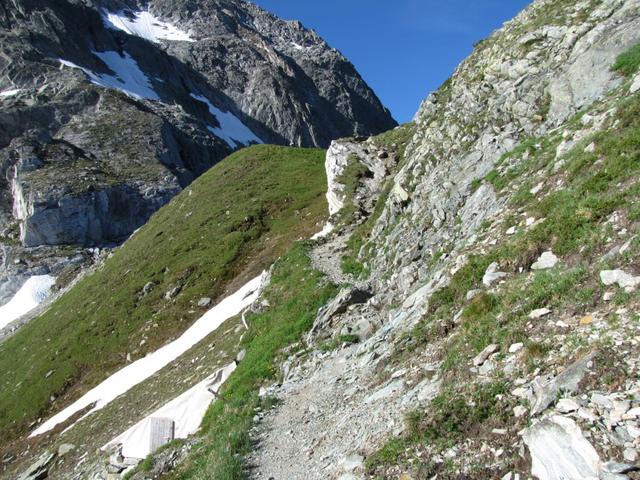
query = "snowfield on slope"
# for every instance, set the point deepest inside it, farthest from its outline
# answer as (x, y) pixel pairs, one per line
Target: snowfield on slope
(186, 411)
(231, 129)
(33, 292)
(144, 24)
(128, 78)
(138, 371)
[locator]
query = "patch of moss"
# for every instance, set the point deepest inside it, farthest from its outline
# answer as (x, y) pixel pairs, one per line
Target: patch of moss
(628, 62)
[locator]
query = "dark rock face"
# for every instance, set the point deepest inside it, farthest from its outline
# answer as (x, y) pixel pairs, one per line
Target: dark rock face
(101, 124)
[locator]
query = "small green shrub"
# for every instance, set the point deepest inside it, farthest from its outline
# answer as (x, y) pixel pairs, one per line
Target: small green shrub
(628, 62)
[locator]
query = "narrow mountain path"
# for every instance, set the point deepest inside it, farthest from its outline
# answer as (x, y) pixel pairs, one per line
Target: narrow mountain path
(326, 256)
(334, 407)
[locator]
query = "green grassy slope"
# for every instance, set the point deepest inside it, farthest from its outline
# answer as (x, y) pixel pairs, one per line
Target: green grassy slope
(295, 294)
(227, 226)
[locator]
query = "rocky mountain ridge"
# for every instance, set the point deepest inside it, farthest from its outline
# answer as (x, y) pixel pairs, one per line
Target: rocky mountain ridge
(109, 109)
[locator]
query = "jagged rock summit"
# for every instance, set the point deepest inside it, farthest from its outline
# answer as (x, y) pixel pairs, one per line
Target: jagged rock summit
(110, 108)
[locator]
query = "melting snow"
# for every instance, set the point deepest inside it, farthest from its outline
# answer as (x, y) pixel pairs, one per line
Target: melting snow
(131, 375)
(128, 77)
(231, 129)
(186, 412)
(326, 230)
(10, 93)
(31, 294)
(144, 24)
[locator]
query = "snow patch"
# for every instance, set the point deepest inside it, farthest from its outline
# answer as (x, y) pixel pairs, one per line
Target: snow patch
(138, 371)
(144, 24)
(10, 93)
(231, 129)
(326, 230)
(128, 78)
(185, 411)
(33, 292)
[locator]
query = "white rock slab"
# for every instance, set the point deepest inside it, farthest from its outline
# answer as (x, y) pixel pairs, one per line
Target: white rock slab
(539, 313)
(623, 279)
(547, 260)
(492, 274)
(635, 85)
(559, 451)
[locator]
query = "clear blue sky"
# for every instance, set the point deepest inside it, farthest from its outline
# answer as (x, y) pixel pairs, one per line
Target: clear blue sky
(403, 48)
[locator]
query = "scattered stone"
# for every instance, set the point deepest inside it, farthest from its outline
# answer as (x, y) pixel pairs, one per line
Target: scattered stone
(608, 296)
(567, 381)
(347, 297)
(484, 354)
(536, 189)
(623, 279)
(547, 260)
(147, 288)
(631, 414)
(539, 313)
(511, 231)
(586, 320)
(516, 347)
(347, 476)
(617, 467)
(400, 193)
(486, 368)
(630, 455)
(635, 85)
(38, 470)
(519, 411)
(492, 274)
(385, 392)
(241, 355)
(560, 451)
(351, 462)
(587, 414)
(566, 405)
(204, 302)
(172, 293)
(511, 476)
(471, 294)
(65, 448)
(601, 401)
(49, 373)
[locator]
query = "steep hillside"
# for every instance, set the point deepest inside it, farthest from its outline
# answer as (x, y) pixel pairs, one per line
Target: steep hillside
(109, 109)
(492, 250)
(470, 311)
(224, 229)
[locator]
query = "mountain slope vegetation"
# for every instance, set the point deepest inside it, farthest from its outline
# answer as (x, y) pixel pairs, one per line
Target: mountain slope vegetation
(229, 225)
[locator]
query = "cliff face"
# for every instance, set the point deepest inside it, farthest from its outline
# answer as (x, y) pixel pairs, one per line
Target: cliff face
(108, 109)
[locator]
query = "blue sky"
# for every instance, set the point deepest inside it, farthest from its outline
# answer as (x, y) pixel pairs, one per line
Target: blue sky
(403, 48)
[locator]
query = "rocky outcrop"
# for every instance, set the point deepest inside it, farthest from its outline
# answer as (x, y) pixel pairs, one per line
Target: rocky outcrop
(436, 212)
